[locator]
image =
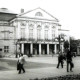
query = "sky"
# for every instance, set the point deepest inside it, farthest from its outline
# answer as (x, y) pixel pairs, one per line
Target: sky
(66, 11)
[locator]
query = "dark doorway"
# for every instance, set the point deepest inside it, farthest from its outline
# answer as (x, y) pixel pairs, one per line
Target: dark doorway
(35, 49)
(27, 49)
(51, 48)
(44, 49)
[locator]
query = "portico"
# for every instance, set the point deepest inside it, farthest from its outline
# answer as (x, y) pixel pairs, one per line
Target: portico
(38, 48)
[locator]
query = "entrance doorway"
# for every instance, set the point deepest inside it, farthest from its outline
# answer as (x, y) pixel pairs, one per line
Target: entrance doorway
(27, 49)
(44, 49)
(35, 49)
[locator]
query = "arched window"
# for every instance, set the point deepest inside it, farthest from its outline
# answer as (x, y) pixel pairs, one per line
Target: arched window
(38, 14)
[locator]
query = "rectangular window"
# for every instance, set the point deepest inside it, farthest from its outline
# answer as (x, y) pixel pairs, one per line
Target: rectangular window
(46, 34)
(53, 34)
(22, 32)
(6, 35)
(38, 34)
(6, 49)
(31, 33)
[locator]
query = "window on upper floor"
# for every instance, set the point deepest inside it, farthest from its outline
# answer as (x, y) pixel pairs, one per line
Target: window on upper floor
(46, 35)
(6, 34)
(38, 14)
(22, 33)
(38, 33)
(31, 33)
(6, 49)
(53, 34)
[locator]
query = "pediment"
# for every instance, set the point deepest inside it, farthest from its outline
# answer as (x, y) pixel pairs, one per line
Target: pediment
(38, 14)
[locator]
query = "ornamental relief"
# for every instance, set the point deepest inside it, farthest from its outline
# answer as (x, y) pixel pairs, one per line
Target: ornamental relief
(31, 26)
(23, 23)
(53, 27)
(46, 27)
(38, 26)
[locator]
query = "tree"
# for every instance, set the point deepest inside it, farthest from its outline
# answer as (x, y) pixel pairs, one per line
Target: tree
(66, 45)
(73, 45)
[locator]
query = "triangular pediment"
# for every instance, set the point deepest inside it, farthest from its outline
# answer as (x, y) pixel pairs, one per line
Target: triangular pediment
(39, 14)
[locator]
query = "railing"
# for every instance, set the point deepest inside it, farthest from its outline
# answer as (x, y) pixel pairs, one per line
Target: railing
(22, 39)
(36, 40)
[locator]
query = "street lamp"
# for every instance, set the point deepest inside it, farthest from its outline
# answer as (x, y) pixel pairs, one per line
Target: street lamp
(60, 39)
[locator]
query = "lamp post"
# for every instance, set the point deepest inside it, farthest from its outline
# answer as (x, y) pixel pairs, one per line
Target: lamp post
(60, 39)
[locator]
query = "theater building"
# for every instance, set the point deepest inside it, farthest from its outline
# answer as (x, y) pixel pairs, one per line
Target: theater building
(34, 32)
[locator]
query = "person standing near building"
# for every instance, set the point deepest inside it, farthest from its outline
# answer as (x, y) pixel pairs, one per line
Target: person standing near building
(69, 61)
(21, 62)
(60, 59)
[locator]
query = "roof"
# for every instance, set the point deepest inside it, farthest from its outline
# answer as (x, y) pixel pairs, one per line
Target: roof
(5, 10)
(6, 15)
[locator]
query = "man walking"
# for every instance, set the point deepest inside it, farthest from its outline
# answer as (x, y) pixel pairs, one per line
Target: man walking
(60, 60)
(21, 62)
(69, 61)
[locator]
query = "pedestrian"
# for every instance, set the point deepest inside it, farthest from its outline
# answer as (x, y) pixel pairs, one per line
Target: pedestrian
(60, 59)
(64, 56)
(20, 64)
(70, 64)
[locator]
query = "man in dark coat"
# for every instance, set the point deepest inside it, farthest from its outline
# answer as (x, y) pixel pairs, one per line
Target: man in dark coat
(60, 60)
(69, 60)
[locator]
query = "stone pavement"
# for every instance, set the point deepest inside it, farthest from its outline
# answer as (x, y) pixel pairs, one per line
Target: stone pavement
(40, 72)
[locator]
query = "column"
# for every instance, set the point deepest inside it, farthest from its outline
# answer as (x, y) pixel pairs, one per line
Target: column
(55, 48)
(39, 49)
(31, 48)
(22, 48)
(48, 49)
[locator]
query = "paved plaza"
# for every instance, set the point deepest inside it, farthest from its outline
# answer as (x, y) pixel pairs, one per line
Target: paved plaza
(41, 72)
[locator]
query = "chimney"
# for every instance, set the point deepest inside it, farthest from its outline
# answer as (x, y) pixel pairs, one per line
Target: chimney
(22, 10)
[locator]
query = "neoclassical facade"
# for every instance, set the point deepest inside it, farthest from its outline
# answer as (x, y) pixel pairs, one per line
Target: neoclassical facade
(34, 32)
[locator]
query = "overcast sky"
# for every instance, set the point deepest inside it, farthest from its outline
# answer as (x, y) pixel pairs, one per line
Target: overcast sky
(67, 11)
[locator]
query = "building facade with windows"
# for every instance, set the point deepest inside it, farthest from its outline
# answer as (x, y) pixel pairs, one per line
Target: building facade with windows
(34, 32)
(6, 32)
